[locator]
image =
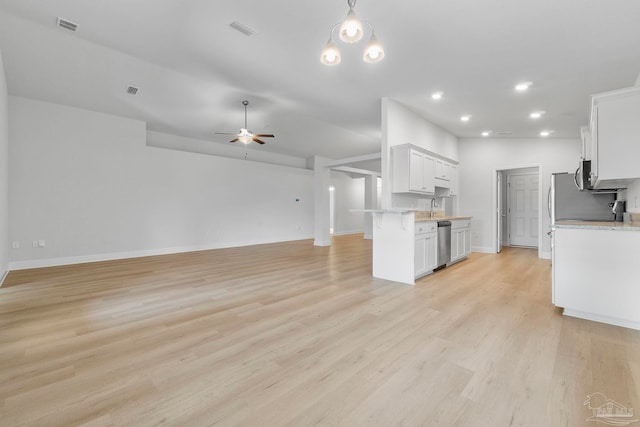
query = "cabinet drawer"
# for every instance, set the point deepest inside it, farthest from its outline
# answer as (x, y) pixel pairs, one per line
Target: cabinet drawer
(426, 227)
(460, 223)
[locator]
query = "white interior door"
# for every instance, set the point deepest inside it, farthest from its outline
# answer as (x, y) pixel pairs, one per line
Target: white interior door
(523, 209)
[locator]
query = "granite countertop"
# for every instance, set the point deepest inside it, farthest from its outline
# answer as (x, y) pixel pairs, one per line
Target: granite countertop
(423, 216)
(419, 215)
(598, 225)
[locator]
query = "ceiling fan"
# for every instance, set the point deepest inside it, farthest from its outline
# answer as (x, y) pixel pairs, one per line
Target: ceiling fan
(245, 136)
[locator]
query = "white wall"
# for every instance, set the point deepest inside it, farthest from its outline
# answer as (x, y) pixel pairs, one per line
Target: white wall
(88, 185)
(400, 125)
(4, 175)
(348, 194)
(481, 157)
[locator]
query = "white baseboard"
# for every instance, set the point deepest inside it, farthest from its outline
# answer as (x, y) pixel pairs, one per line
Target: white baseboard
(4, 276)
(602, 319)
(344, 233)
(483, 249)
(82, 259)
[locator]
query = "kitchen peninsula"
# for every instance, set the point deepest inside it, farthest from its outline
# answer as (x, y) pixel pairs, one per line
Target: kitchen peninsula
(405, 243)
(595, 271)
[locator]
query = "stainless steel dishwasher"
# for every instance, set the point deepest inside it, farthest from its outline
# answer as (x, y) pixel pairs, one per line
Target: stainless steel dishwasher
(444, 243)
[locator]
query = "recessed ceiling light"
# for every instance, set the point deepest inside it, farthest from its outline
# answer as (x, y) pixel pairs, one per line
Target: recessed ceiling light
(536, 114)
(465, 118)
(436, 95)
(521, 87)
(486, 133)
(546, 133)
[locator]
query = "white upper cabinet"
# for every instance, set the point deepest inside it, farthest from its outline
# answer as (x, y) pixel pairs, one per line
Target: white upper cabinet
(585, 137)
(417, 171)
(453, 183)
(615, 137)
(443, 170)
(413, 171)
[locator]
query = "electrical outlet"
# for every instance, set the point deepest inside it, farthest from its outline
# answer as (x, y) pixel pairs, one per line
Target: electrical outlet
(35, 244)
(15, 244)
(42, 243)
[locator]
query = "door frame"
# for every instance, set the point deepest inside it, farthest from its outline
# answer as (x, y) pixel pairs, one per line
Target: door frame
(509, 174)
(495, 203)
(499, 213)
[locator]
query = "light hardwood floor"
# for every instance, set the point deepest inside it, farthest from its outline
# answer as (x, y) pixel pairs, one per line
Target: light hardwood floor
(291, 334)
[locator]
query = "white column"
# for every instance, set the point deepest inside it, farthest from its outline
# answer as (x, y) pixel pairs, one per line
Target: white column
(370, 202)
(322, 180)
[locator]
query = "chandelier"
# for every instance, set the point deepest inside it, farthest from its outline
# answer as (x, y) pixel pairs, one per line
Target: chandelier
(351, 32)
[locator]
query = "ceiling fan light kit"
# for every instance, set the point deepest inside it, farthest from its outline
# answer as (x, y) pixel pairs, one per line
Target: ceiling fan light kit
(351, 32)
(245, 136)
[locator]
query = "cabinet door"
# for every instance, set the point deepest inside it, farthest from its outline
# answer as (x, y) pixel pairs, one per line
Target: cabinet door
(453, 186)
(432, 251)
(618, 128)
(585, 138)
(416, 171)
(467, 242)
(440, 172)
(446, 171)
(594, 144)
(553, 268)
(454, 245)
(420, 255)
(461, 242)
(428, 177)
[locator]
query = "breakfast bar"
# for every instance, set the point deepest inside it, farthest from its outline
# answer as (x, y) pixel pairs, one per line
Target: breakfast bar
(595, 271)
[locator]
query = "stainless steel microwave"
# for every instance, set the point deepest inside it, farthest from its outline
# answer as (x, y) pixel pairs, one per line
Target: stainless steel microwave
(582, 176)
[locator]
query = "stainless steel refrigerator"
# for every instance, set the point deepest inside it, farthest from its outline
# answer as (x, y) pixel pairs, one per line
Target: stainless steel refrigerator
(566, 202)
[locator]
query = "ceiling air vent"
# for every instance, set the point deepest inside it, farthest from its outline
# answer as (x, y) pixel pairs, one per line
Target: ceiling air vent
(504, 133)
(247, 31)
(131, 90)
(67, 25)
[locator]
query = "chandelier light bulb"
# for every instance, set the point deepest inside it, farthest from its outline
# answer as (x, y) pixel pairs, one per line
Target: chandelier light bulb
(373, 52)
(351, 28)
(330, 54)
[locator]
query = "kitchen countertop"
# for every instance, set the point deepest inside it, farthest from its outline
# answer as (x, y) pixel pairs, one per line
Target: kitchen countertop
(441, 218)
(419, 215)
(598, 225)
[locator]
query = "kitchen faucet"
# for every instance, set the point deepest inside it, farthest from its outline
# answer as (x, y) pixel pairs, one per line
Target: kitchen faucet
(433, 202)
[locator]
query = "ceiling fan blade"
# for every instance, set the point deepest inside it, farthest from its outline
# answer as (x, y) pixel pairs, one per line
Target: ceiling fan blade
(224, 133)
(264, 135)
(257, 140)
(234, 139)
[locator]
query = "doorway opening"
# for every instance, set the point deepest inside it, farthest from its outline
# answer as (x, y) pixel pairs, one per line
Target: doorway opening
(517, 220)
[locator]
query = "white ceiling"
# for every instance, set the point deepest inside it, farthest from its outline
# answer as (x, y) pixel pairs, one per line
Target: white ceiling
(193, 70)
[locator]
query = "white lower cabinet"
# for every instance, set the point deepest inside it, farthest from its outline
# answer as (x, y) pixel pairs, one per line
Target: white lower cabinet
(460, 239)
(595, 274)
(425, 248)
